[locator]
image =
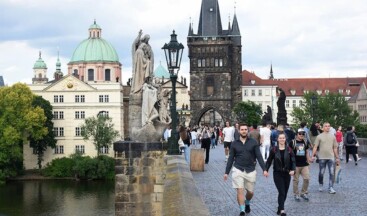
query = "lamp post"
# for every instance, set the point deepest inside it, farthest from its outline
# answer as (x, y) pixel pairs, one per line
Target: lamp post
(173, 52)
(313, 106)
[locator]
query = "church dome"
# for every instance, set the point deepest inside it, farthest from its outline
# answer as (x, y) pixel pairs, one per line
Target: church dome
(160, 72)
(40, 64)
(94, 49)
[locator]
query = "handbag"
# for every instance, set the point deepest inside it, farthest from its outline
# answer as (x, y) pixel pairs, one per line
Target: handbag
(181, 143)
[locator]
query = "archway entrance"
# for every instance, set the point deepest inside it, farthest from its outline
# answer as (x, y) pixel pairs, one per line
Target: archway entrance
(211, 117)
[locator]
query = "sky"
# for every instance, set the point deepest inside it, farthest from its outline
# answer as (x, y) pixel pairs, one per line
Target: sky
(310, 38)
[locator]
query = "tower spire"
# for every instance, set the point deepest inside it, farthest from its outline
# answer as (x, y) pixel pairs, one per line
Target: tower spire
(210, 23)
(271, 71)
(229, 23)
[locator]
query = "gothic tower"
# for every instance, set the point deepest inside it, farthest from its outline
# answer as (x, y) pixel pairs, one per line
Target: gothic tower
(215, 64)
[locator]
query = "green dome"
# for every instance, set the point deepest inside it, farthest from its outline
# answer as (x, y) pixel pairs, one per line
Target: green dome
(95, 49)
(94, 26)
(160, 72)
(40, 64)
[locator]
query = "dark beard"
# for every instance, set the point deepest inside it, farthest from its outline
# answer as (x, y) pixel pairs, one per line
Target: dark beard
(243, 137)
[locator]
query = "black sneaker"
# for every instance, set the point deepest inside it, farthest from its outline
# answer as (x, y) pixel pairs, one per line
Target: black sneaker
(247, 209)
(278, 212)
(242, 213)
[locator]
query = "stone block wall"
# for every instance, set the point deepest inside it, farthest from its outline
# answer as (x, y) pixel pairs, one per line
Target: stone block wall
(140, 175)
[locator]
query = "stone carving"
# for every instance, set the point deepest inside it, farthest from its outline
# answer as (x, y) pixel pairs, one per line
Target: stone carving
(268, 116)
(282, 112)
(143, 62)
(148, 105)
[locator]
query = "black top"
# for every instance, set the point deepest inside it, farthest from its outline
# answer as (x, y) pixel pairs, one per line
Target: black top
(244, 156)
(300, 151)
(282, 155)
(282, 162)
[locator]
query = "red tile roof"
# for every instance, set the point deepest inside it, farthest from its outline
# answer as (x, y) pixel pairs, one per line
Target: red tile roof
(299, 85)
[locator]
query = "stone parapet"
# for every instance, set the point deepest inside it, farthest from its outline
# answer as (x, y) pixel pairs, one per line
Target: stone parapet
(362, 149)
(181, 196)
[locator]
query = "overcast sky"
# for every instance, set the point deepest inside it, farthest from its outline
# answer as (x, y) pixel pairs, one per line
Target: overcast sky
(310, 38)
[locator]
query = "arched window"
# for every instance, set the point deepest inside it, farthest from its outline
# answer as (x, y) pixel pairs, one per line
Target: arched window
(209, 82)
(39, 75)
(90, 74)
(107, 75)
(75, 72)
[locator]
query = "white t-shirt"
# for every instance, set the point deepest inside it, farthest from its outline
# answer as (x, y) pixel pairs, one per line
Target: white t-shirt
(265, 132)
(228, 133)
(193, 135)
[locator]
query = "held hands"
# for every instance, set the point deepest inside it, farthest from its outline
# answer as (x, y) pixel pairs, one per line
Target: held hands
(225, 177)
(266, 174)
(291, 173)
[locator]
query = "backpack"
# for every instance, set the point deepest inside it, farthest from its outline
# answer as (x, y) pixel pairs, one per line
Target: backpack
(350, 138)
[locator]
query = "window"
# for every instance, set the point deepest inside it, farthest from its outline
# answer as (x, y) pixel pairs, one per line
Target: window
(300, 103)
(203, 62)
(90, 74)
(286, 103)
(327, 91)
(80, 149)
(220, 62)
(101, 98)
(294, 103)
(209, 81)
(75, 72)
(56, 98)
(61, 98)
(253, 92)
(56, 131)
(59, 149)
(78, 131)
(260, 92)
(107, 75)
(199, 62)
(61, 131)
(77, 114)
(82, 114)
(245, 93)
(61, 115)
(216, 64)
(340, 91)
(82, 98)
(77, 98)
(56, 115)
(106, 99)
(103, 150)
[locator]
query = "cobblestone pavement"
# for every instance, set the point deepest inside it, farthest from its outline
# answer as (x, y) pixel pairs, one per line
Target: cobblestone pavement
(220, 197)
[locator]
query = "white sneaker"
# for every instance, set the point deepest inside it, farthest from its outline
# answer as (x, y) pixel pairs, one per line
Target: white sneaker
(359, 159)
(320, 188)
(332, 191)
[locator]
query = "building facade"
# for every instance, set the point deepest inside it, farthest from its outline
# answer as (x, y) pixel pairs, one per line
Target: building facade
(91, 87)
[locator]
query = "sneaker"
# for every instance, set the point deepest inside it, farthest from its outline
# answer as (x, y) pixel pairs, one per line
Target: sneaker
(356, 163)
(242, 213)
(320, 188)
(305, 197)
(247, 209)
(332, 191)
(359, 159)
(278, 212)
(297, 198)
(283, 214)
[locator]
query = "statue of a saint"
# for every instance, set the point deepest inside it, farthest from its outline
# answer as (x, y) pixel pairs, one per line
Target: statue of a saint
(164, 116)
(281, 101)
(143, 62)
(150, 98)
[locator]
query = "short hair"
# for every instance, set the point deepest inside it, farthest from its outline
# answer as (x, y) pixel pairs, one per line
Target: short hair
(303, 124)
(243, 124)
(254, 126)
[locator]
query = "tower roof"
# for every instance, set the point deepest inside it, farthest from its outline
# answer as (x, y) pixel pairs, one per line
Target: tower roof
(210, 23)
(160, 72)
(40, 64)
(235, 27)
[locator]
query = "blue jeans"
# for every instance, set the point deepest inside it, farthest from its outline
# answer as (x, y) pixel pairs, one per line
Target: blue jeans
(331, 165)
(213, 142)
(187, 154)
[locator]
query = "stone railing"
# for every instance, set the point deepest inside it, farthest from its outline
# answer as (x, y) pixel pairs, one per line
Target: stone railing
(362, 149)
(148, 182)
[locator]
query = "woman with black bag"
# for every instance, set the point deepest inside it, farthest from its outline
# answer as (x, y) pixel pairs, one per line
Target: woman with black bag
(284, 167)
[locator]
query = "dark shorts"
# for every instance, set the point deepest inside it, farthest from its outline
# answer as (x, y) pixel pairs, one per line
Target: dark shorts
(227, 145)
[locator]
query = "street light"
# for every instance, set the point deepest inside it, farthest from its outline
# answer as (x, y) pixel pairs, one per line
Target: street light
(313, 106)
(173, 52)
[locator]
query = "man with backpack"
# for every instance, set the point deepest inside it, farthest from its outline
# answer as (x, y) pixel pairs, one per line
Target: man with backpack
(300, 148)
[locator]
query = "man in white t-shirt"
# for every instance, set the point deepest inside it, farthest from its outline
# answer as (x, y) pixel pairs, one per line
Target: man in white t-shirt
(228, 137)
(265, 133)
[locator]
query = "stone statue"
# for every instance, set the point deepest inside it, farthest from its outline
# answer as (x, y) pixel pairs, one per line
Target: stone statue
(164, 116)
(268, 116)
(143, 62)
(150, 98)
(282, 112)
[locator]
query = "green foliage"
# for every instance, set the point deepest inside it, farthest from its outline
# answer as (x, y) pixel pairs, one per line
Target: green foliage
(248, 112)
(332, 108)
(19, 120)
(100, 130)
(48, 140)
(361, 131)
(82, 167)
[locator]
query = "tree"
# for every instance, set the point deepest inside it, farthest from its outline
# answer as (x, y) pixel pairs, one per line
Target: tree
(18, 121)
(248, 112)
(100, 130)
(332, 108)
(48, 140)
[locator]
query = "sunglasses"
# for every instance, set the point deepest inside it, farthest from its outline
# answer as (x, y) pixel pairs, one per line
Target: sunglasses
(301, 134)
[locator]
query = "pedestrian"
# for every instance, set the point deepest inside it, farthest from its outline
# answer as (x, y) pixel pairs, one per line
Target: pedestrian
(300, 148)
(357, 145)
(194, 139)
(213, 136)
(339, 140)
(255, 134)
(236, 134)
(228, 137)
(265, 133)
(328, 155)
(242, 157)
(187, 142)
(205, 142)
(284, 166)
(350, 142)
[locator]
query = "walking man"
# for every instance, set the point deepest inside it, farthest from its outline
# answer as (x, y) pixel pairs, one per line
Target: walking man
(228, 134)
(328, 153)
(300, 148)
(242, 156)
